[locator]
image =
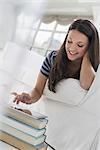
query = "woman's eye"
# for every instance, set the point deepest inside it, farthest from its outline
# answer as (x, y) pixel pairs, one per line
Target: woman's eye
(80, 45)
(69, 41)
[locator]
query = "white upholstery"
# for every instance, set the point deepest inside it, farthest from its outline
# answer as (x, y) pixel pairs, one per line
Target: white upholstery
(70, 128)
(91, 102)
(68, 91)
(76, 127)
(73, 125)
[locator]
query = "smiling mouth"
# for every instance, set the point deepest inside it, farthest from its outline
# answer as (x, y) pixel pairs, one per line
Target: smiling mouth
(72, 53)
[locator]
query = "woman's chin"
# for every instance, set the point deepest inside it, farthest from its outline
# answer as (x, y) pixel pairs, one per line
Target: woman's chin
(72, 58)
(75, 59)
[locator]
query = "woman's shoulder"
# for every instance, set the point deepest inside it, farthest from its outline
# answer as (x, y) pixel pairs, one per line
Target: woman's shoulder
(52, 53)
(51, 56)
(48, 62)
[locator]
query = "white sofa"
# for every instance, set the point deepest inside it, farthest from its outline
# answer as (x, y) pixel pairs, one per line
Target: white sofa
(74, 124)
(73, 112)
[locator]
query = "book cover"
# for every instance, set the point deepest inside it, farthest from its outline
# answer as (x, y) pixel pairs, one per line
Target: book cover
(21, 145)
(21, 135)
(21, 126)
(32, 120)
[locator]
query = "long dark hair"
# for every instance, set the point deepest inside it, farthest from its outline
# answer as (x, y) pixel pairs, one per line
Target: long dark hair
(60, 69)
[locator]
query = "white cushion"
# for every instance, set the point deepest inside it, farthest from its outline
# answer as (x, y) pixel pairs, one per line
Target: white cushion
(68, 91)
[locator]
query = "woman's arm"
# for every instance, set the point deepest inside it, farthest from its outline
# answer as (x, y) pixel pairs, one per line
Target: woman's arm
(87, 73)
(35, 94)
(39, 87)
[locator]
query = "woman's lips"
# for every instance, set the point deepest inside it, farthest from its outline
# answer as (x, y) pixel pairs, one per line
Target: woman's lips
(73, 53)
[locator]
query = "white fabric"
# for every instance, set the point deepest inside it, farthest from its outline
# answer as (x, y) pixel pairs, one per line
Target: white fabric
(69, 128)
(96, 142)
(33, 65)
(21, 63)
(13, 57)
(75, 128)
(95, 85)
(19, 69)
(68, 91)
(91, 102)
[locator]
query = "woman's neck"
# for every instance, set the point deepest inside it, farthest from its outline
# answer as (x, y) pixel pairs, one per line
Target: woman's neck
(76, 62)
(75, 65)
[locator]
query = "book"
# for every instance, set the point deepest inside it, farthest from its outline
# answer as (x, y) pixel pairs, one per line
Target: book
(35, 114)
(22, 126)
(37, 121)
(21, 145)
(22, 135)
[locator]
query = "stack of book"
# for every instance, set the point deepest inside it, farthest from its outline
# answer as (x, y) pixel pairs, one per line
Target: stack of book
(23, 131)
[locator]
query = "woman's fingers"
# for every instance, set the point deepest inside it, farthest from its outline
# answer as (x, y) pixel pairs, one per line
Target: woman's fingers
(14, 93)
(17, 99)
(24, 98)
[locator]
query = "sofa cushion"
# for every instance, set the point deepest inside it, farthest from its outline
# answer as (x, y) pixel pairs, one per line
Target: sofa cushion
(68, 91)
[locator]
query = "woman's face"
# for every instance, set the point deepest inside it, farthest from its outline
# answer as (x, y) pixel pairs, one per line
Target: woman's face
(76, 45)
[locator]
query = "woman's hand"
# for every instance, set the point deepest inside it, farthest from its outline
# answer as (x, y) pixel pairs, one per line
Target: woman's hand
(36, 93)
(86, 57)
(23, 97)
(87, 73)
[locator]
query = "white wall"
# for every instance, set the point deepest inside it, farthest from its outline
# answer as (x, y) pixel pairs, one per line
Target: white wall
(27, 14)
(7, 23)
(96, 16)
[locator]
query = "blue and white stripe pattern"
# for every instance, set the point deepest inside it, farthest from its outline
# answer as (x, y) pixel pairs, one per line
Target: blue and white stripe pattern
(47, 63)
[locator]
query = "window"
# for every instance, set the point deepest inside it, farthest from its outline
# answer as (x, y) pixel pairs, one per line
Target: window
(42, 35)
(49, 37)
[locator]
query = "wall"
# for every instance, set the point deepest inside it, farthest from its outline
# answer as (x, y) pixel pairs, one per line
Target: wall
(7, 23)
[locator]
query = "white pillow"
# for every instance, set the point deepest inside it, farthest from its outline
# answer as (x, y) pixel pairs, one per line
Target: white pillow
(68, 91)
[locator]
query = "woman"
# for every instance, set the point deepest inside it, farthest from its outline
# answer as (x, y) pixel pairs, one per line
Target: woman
(77, 58)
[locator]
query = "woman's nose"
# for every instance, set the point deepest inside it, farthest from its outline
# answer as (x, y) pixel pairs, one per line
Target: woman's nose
(73, 48)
